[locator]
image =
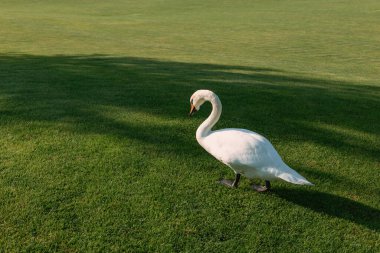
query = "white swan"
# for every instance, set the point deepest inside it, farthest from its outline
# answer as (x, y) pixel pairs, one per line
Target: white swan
(247, 153)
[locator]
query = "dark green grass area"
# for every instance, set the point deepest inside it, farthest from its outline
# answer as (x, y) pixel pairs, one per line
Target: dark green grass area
(98, 154)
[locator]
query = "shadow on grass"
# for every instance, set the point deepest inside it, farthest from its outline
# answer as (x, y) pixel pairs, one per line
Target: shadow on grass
(340, 181)
(278, 104)
(281, 105)
(332, 205)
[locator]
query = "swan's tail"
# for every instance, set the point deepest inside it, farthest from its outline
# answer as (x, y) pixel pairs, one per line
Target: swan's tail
(292, 176)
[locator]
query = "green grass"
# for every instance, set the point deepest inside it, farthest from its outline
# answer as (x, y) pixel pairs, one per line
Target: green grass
(97, 152)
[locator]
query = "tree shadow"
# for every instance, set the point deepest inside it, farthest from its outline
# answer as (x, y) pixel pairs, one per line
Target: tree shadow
(332, 205)
(279, 104)
(337, 182)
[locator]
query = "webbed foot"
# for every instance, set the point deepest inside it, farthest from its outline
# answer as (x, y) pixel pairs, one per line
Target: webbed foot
(261, 188)
(227, 182)
(231, 183)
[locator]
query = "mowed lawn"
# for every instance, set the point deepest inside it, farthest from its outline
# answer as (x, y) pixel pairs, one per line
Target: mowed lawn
(98, 154)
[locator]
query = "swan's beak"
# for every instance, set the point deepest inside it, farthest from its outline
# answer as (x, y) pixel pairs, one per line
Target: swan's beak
(192, 110)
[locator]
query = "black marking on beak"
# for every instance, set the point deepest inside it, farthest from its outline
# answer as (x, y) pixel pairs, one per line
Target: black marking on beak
(192, 110)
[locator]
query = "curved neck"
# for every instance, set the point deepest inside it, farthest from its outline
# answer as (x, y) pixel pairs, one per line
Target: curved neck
(205, 128)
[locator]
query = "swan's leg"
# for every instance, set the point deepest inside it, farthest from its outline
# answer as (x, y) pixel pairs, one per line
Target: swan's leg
(236, 181)
(231, 183)
(261, 188)
(267, 184)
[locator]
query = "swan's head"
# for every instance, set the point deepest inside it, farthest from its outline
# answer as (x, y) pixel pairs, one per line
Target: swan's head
(198, 98)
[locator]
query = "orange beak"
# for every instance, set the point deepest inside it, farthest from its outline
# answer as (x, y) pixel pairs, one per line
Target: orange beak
(192, 110)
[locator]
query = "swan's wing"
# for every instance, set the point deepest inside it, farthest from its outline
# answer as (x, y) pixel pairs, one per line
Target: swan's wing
(241, 148)
(251, 154)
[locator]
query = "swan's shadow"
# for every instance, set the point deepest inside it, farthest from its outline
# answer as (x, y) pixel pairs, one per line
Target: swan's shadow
(332, 205)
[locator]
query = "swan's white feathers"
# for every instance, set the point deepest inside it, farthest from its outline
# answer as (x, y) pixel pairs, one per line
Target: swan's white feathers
(236, 146)
(244, 151)
(241, 150)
